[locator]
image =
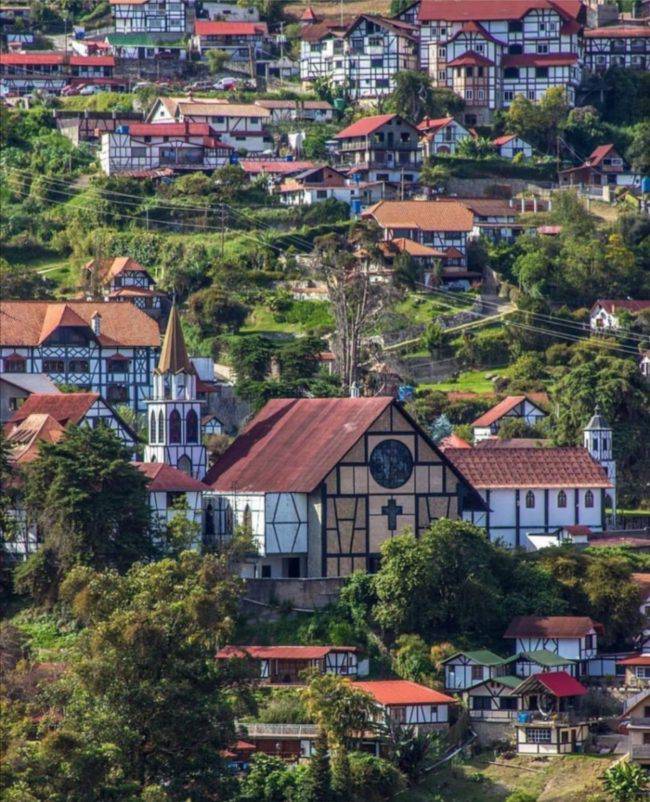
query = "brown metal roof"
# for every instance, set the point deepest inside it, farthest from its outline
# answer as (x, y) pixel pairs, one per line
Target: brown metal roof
(554, 626)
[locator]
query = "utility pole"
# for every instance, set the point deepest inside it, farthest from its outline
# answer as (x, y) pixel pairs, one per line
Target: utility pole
(223, 225)
(281, 50)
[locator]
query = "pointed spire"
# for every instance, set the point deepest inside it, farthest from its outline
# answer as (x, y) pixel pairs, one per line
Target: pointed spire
(173, 356)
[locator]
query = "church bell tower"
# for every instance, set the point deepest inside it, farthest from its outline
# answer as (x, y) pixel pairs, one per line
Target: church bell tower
(174, 410)
(597, 440)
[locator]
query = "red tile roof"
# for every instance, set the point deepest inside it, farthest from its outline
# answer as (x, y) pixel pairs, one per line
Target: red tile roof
(498, 411)
(430, 124)
(554, 626)
(480, 10)
(635, 660)
(280, 652)
(183, 129)
(529, 467)
(292, 444)
(24, 323)
(163, 478)
(503, 140)
(616, 305)
(218, 28)
(14, 59)
(272, 167)
(413, 248)
(623, 32)
(470, 59)
(442, 215)
(453, 441)
(561, 684)
(65, 408)
(308, 15)
(25, 439)
(552, 231)
(92, 61)
(578, 529)
(474, 27)
(539, 60)
(599, 154)
(365, 126)
(402, 692)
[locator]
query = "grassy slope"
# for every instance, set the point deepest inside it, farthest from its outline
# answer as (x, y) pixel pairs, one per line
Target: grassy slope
(560, 779)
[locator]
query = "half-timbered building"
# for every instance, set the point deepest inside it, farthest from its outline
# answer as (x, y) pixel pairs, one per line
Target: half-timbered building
(88, 126)
(605, 314)
(441, 135)
(409, 703)
(51, 71)
(311, 110)
(243, 41)
(465, 669)
(322, 483)
(362, 55)
(510, 145)
(288, 665)
(123, 279)
(176, 146)
(513, 407)
(384, 147)
(604, 167)
(171, 17)
(240, 125)
(572, 637)
(172, 492)
(318, 184)
(107, 348)
(626, 46)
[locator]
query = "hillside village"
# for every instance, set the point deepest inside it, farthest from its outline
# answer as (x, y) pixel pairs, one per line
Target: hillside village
(325, 401)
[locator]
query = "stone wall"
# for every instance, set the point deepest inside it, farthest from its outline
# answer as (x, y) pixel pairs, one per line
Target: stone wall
(490, 732)
(301, 594)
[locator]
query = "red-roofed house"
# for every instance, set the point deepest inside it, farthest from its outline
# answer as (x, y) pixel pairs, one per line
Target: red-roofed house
(518, 407)
(604, 314)
(318, 184)
(52, 71)
(173, 492)
(604, 167)
(148, 146)
(441, 135)
(510, 145)
(385, 147)
(285, 665)
(409, 703)
(323, 482)
(123, 279)
(242, 40)
(625, 45)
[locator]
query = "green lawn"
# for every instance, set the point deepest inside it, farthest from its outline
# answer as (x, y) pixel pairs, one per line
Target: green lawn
(473, 381)
(301, 318)
(57, 268)
(421, 309)
(571, 778)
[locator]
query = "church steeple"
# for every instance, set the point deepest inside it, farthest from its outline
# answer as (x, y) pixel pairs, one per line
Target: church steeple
(597, 439)
(174, 410)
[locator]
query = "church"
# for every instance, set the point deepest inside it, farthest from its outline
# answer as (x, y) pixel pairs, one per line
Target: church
(322, 483)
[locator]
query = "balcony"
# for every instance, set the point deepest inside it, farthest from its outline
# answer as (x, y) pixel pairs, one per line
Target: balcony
(257, 730)
(536, 719)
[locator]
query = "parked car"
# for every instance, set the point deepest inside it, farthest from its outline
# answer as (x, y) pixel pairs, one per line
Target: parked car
(225, 84)
(198, 86)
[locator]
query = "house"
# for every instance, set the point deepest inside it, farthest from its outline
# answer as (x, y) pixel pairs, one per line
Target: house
(465, 669)
(604, 167)
(637, 721)
(493, 705)
(604, 314)
(105, 348)
(441, 224)
(318, 184)
(153, 51)
(362, 54)
(87, 126)
(525, 664)
(177, 146)
(626, 45)
(535, 491)
(510, 145)
(323, 482)
(432, 263)
(174, 411)
(441, 135)
(50, 71)
(637, 669)
(382, 148)
(571, 637)
(173, 492)
(163, 17)
(123, 279)
(409, 703)
(550, 721)
(518, 407)
(286, 665)
(494, 218)
(16, 387)
(243, 41)
(274, 169)
(218, 10)
(240, 125)
(72, 409)
(211, 425)
(489, 52)
(317, 111)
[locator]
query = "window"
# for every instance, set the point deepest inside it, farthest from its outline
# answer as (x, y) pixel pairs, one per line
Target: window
(138, 153)
(266, 572)
(646, 738)
(442, 75)
(561, 499)
(481, 703)
(118, 366)
(175, 426)
(542, 47)
(531, 94)
(589, 641)
(442, 52)
(480, 94)
(375, 41)
(15, 364)
(508, 96)
(117, 393)
(480, 48)
(589, 499)
(192, 427)
(538, 735)
(469, 71)
(515, 50)
(511, 73)
(78, 366)
(530, 500)
(161, 427)
(479, 72)
(152, 427)
(398, 714)
(321, 194)
(477, 672)
(541, 72)
(405, 136)
(69, 335)
(508, 703)
(53, 366)
(515, 26)
(185, 464)
(382, 83)
(469, 94)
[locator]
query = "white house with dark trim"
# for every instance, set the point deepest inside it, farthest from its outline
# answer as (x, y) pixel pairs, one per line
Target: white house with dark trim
(518, 407)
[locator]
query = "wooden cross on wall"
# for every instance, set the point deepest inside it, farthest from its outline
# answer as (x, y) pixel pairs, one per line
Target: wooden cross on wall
(391, 511)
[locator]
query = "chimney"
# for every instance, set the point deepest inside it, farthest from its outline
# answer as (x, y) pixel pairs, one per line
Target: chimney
(96, 324)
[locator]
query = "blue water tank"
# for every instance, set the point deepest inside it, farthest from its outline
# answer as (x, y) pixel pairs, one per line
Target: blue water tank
(233, 158)
(405, 392)
(355, 207)
(645, 184)
(523, 717)
(122, 129)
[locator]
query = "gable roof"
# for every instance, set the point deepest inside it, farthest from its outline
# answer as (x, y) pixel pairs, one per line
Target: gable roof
(621, 32)
(483, 10)
(110, 268)
(366, 126)
(554, 626)
(544, 657)
(165, 478)
(504, 139)
(234, 28)
(402, 692)
(624, 304)
(425, 215)
(558, 683)
(482, 656)
(429, 124)
(280, 652)
(28, 323)
(453, 441)
(30, 382)
(598, 154)
(24, 440)
(502, 408)
(65, 408)
(529, 467)
(470, 59)
(410, 246)
(274, 166)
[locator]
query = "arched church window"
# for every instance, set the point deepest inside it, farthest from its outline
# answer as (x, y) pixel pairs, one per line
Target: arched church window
(175, 435)
(192, 427)
(185, 464)
(530, 500)
(561, 499)
(161, 427)
(247, 520)
(595, 439)
(604, 444)
(589, 499)
(152, 427)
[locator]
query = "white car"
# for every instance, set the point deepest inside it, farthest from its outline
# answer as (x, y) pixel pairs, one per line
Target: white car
(91, 89)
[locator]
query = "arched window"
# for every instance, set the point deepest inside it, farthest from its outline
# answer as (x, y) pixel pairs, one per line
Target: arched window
(589, 499)
(175, 435)
(247, 520)
(604, 444)
(161, 427)
(530, 500)
(561, 499)
(185, 464)
(152, 427)
(192, 427)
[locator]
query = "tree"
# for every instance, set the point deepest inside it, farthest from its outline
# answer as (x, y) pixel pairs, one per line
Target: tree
(435, 177)
(476, 148)
(639, 151)
(21, 283)
(320, 781)
(270, 779)
(626, 782)
(612, 597)
(538, 122)
(216, 311)
(407, 749)
(90, 503)
(440, 428)
(411, 659)
(433, 337)
(414, 97)
(217, 60)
